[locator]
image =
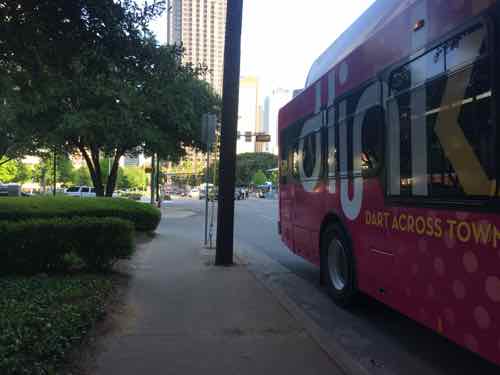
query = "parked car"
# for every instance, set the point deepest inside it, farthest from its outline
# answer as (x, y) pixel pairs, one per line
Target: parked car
(194, 193)
(81, 191)
(10, 190)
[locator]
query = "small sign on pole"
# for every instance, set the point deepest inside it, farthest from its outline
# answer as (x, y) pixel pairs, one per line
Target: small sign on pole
(248, 136)
(208, 127)
(262, 138)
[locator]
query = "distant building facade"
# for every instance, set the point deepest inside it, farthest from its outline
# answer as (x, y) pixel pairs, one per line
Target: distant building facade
(272, 105)
(248, 114)
(133, 161)
(200, 26)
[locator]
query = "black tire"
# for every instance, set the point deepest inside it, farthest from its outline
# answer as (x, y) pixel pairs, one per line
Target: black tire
(338, 266)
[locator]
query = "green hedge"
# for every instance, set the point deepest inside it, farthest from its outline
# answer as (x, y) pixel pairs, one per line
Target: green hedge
(44, 245)
(43, 318)
(145, 217)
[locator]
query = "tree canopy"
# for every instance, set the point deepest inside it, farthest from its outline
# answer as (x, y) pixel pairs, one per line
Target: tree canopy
(248, 164)
(13, 171)
(259, 178)
(88, 77)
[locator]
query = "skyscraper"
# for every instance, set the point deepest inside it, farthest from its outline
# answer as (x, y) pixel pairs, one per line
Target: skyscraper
(200, 26)
(272, 105)
(248, 115)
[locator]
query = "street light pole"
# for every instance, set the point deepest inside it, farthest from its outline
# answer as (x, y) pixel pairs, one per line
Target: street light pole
(207, 174)
(227, 170)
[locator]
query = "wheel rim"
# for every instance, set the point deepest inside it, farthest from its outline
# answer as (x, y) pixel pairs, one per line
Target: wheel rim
(337, 264)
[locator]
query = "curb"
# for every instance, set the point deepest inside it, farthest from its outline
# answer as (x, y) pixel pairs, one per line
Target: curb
(346, 363)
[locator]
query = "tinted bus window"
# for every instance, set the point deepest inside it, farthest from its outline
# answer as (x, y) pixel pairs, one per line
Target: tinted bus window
(465, 47)
(372, 141)
(452, 117)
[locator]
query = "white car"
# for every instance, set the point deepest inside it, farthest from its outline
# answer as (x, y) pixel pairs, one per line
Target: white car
(81, 191)
(194, 193)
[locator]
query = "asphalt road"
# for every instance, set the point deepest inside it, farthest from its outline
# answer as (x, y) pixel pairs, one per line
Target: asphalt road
(381, 339)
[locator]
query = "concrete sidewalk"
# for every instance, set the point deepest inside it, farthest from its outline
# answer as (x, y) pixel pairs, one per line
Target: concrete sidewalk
(185, 316)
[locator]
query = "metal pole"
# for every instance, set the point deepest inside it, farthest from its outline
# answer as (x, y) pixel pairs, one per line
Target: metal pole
(152, 184)
(54, 183)
(158, 180)
(212, 208)
(227, 165)
(206, 193)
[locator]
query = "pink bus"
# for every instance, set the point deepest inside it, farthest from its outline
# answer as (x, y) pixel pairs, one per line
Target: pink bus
(389, 161)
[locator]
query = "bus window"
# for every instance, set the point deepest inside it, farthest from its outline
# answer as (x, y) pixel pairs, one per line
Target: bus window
(295, 160)
(459, 134)
(332, 144)
(372, 142)
(464, 48)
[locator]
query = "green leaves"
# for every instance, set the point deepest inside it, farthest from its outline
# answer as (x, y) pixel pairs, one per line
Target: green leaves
(42, 318)
(13, 171)
(247, 165)
(144, 217)
(259, 178)
(88, 77)
(48, 245)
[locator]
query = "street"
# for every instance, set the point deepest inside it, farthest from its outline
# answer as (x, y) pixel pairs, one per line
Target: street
(381, 340)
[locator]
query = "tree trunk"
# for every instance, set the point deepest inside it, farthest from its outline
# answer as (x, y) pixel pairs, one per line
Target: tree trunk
(95, 170)
(111, 185)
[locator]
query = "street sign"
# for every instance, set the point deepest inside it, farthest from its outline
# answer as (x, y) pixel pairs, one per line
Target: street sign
(262, 138)
(248, 136)
(208, 127)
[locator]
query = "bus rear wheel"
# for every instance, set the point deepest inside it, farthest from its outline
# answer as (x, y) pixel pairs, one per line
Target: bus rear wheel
(338, 266)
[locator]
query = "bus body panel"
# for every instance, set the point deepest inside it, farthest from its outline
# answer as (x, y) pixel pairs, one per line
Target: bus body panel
(438, 264)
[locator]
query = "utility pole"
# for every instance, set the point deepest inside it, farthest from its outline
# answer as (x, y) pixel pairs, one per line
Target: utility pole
(208, 135)
(227, 169)
(207, 174)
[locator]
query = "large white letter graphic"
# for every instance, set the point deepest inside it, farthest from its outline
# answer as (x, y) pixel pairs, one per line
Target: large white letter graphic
(369, 98)
(311, 129)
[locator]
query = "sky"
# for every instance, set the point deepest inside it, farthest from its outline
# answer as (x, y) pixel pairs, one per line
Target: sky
(282, 38)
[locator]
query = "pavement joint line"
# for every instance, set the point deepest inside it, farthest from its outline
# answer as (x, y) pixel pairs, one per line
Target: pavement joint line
(228, 333)
(332, 348)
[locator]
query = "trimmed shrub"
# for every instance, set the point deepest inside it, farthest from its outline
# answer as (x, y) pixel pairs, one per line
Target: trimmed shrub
(43, 318)
(41, 245)
(144, 217)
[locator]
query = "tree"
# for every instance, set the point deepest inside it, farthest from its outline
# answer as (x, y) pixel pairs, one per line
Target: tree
(43, 172)
(16, 139)
(274, 177)
(13, 171)
(133, 178)
(95, 81)
(81, 177)
(248, 164)
(259, 178)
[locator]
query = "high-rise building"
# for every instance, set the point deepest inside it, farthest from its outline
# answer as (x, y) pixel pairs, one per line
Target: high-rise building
(200, 26)
(272, 105)
(248, 115)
